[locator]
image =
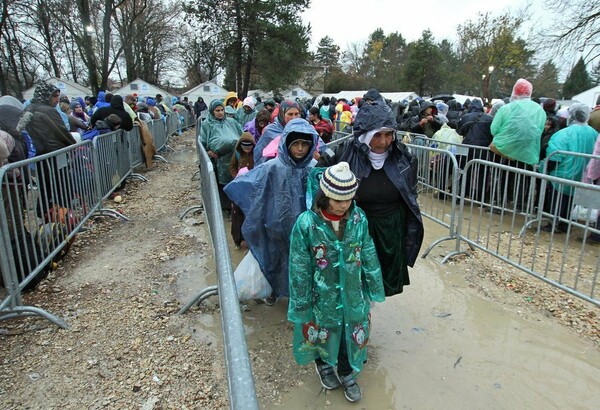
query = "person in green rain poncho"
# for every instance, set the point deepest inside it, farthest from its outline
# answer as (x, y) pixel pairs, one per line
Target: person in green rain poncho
(219, 136)
(334, 276)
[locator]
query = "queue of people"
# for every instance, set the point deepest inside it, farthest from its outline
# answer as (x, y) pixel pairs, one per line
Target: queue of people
(319, 225)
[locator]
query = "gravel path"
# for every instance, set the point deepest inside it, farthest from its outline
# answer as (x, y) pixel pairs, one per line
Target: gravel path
(121, 285)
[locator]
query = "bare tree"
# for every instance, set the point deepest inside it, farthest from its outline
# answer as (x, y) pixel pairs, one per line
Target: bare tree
(17, 57)
(576, 26)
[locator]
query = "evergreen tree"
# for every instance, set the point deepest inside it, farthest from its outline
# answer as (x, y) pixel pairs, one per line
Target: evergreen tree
(595, 74)
(545, 83)
(264, 41)
(328, 53)
(422, 72)
(492, 41)
(577, 81)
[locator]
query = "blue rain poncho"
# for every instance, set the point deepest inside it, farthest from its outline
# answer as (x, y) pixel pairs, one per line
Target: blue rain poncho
(332, 283)
(220, 136)
(272, 195)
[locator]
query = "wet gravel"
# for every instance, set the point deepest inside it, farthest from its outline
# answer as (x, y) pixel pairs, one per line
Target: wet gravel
(122, 284)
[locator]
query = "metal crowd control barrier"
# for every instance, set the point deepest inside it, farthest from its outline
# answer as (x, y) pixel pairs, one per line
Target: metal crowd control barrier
(46, 200)
(136, 148)
(438, 187)
(242, 393)
(559, 260)
(501, 206)
(112, 166)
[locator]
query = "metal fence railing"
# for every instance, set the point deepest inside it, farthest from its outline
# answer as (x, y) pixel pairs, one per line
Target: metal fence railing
(242, 392)
(505, 208)
(47, 199)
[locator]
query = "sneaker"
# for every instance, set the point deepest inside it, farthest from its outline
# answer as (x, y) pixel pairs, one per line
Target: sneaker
(327, 375)
(270, 300)
(351, 388)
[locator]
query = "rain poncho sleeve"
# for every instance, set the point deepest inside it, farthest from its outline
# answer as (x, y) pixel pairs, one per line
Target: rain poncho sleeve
(517, 128)
(574, 138)
(593, 168)
(272, 195)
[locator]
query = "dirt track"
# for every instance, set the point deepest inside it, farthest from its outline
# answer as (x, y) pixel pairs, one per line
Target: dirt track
(123, 282)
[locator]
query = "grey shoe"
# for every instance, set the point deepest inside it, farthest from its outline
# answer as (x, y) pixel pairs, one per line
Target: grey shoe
(327, 375)
(270, 300)
(351, 388)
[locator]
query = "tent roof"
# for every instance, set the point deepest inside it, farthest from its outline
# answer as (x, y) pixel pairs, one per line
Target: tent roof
(392, 96)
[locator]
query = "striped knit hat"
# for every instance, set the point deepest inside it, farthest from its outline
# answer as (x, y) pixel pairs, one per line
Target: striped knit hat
(338, 182)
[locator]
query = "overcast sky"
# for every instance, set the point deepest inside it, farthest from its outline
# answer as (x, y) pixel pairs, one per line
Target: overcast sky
(352, 21)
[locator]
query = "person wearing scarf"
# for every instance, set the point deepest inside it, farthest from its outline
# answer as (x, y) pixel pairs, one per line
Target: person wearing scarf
(387, 174)
(219, 136)
(288, 110)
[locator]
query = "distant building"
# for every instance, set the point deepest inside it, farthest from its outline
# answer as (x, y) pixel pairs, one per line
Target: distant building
(66, 87)
(296, 92)
(260, 93)
(142, 89)
(208, 91)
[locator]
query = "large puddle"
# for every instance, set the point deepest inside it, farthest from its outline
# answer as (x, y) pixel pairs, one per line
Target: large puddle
(439, 345)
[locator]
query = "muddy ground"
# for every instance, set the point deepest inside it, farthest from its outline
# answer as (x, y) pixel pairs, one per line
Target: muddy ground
(123, 282)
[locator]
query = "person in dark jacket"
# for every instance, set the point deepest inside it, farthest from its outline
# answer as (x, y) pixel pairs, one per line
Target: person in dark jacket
(475, 129)
(426, 122)
(387, 174)
(45, 125)
(116, 107)
(199, 106)
(454, 113)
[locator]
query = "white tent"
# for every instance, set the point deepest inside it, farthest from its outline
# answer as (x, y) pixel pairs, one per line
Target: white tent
(208, 91)
(296, 92)
(260, 93)
(142, 89)
(69, 88)
(588, 97)
(461, 98)
(349, 95)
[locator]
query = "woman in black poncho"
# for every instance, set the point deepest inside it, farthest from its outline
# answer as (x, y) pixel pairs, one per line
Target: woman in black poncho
(387, 174)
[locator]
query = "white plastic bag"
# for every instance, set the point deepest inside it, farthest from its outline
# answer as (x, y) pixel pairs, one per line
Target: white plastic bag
(580, 213)
(250, 281)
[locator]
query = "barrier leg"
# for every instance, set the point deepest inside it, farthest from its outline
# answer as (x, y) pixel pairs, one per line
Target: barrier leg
(18, 312)
(203, 295)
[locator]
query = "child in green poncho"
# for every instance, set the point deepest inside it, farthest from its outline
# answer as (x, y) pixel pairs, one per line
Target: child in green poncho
(334, 277)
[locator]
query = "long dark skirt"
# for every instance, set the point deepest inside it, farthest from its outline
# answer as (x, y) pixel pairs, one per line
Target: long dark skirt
(389, 235)
(237, 220)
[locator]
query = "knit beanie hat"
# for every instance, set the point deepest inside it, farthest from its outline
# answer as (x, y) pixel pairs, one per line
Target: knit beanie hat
(75, 104)
(338, 182)
(295, 136)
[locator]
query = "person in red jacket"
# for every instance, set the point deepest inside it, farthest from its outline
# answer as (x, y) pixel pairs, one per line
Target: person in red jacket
(324, 128)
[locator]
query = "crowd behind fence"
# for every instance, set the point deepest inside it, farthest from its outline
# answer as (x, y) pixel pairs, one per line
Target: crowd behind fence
(488, 203)
(47, 200)
(513, 211)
